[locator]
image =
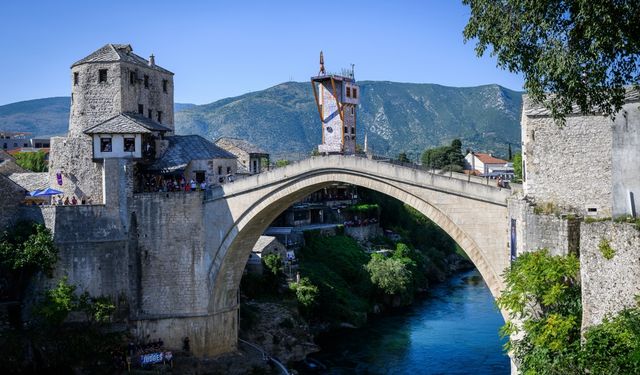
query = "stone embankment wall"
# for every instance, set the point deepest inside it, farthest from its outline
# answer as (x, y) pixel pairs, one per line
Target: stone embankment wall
(560, 235)
(608, 285)
(363, 233)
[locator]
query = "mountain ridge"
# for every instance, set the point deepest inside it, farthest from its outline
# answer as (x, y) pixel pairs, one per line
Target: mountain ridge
(396, 116)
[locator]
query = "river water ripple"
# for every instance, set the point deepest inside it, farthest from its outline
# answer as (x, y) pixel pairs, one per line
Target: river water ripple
(454, 330)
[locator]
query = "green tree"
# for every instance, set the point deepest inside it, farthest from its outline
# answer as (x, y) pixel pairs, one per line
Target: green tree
(543, 293)
(306, 294)
(26, 249)
(282, 163)
(33, 161)
(402, 157)
(517, 167)
(273, 263)
(447, 158)
(391, 275)
(584, 52)
(62, 300)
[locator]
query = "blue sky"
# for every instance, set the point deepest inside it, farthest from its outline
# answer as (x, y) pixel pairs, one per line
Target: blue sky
(219, 49)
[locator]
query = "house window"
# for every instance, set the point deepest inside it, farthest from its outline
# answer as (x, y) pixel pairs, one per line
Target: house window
(129, 145)
(105, 144)
(164, 85)
(76, 78)
(146, 81)
(348, 92)
(149, 112)
(219, 169)
(102, 75)
(160, 116)
(228, 170)
(140, 109)
(132, 78)
(355, 93)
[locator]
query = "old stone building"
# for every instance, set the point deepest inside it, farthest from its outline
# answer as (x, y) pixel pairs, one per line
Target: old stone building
(588, 166)
(336, 97)
(251, 158)
(585, 169)
(122, 110)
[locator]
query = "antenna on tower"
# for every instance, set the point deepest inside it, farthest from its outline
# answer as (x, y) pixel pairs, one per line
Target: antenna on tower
(322, 71)
(353, 71)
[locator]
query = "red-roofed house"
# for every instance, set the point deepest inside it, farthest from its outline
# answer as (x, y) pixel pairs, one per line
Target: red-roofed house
(485, 163)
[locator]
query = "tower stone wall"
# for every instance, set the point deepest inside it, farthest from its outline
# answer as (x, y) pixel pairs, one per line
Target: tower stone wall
(93, 102)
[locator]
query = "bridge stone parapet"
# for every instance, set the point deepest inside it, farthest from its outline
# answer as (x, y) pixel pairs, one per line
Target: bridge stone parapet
(473, 214)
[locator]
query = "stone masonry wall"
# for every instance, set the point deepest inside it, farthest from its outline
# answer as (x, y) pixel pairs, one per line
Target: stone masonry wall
(11, 195)
(171, 251)
(152, 98)
(626, 158)
(81, 176)
(569, 166)
(93, 102)
(608, 285)
(538, 231)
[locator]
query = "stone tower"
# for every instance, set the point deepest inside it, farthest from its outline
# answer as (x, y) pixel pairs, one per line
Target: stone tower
(336, 97)
(114, 80)
(104, 85)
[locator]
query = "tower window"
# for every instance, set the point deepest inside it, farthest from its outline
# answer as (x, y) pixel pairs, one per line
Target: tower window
(105, 144)
(219, 169)
(141, 109)
(149, 112)
(146, 81)
(102, 75)
(353, 130)
(165, 83)
(228, 170)
(353, 109)
(348, 92)
(129, 145)
(355, 93)
(160, 116)
(76, 78)
(132, 78)
(346, 130)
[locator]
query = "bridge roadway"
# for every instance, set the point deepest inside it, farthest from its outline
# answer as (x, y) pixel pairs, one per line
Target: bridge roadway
(472, 212)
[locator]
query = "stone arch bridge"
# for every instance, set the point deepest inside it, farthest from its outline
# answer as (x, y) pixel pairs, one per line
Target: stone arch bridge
(178, 257)
(474, 214)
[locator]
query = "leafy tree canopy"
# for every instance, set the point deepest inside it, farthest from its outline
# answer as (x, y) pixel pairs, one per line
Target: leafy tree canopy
(33, 161)
(445, 157)
(391, 275)
(517, 167)
(583, 51)
(28, 247)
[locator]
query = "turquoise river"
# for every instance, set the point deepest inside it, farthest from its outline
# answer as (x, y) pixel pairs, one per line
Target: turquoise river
(453, 330)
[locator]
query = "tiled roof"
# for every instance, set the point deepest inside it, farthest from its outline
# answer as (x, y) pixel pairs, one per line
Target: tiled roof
(488, 159)
(118, 52)
(127, 123)
(184, 148)
(31, 180)
(245, 146)
(533, 109)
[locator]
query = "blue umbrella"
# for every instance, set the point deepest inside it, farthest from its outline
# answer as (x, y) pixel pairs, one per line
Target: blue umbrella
(35, 193)
(46, 192)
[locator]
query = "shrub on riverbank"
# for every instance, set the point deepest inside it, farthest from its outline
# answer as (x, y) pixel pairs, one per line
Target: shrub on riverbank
(543, 293)
(336, 266)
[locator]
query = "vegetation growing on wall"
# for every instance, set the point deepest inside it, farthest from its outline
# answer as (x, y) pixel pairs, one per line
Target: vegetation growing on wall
(44, 343)
(605, 249)
(543, 293)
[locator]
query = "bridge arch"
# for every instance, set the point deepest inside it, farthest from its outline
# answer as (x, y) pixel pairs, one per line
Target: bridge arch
(473, 214)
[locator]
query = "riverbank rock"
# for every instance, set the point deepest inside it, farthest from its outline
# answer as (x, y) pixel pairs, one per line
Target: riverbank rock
(279, 330)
